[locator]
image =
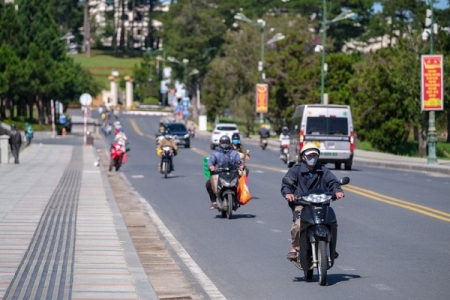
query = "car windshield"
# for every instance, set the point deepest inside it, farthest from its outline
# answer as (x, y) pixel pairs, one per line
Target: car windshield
(226, 128)
(176, 127)
(327, 126)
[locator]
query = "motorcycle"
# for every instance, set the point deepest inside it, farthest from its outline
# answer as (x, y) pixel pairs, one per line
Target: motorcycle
(318, 235)
(117, 153)
(166, 160)
(192, 133)
(263, 143)
(106, 128)
(228, 181)
(284, 153)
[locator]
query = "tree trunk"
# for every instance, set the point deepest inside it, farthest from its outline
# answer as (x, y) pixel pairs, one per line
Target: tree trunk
(2, 109)
(423, 142)
(122, 26)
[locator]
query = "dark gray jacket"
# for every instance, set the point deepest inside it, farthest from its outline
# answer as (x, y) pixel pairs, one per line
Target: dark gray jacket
(15, 138)
(320, 178)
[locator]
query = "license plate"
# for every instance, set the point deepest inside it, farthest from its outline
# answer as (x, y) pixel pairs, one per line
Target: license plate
(285, 150)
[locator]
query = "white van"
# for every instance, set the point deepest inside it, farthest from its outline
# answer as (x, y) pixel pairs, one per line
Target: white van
(330, 127)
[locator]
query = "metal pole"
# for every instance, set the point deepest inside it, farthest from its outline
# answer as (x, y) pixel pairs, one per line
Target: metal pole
(52, 108)
(185, 79)
(163, 75)
(261, 115)
(85, 126)
(432, 139)
(324, 36)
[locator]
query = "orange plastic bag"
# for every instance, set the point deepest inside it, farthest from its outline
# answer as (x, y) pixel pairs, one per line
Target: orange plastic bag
(242, 190)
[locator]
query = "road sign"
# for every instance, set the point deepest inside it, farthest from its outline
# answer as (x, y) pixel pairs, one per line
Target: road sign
(85, 99)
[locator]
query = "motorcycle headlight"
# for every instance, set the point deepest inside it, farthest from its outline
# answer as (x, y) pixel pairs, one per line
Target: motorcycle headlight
(234, 182)
(186, 135)
(224, 183)
(317, 198)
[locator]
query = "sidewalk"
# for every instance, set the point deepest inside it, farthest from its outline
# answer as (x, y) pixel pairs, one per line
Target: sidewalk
(371, 158)
(62, 235)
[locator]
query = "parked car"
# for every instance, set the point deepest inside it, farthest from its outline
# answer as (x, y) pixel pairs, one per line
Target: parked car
(220, 130)
(180, 133)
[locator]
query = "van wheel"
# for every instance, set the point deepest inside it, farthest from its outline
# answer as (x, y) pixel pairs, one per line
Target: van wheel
(337, 166)
(290, 164)
(348, 166)
(212, 146)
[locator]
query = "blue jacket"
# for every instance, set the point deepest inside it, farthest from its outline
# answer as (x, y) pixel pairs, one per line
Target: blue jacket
(319, 178)
(221, 157)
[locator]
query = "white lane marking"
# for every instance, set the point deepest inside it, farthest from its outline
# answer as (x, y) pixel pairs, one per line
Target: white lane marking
(275, 230)
(209, 287)
(260, 222)
(382, 287)
(257, 171)
(137, 176)
(346, 268)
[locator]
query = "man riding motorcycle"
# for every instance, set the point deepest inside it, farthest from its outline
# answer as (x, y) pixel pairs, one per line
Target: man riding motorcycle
(263, 133)
(167, 141)
(243, 152)
(223, 154)
(307, 175)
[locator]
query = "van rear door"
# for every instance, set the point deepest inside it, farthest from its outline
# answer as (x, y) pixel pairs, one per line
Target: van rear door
(329, 129)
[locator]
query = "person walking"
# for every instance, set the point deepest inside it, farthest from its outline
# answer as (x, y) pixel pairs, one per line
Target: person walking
(15, 141)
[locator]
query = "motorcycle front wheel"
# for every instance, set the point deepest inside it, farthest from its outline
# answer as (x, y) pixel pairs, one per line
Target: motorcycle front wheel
(230, 206)
(111, 165)
(166, 168)
(323, 262)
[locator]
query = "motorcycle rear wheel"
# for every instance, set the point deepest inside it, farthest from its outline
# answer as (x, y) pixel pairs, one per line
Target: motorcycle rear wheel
(323, 262)
(118, 163)
(230, 206)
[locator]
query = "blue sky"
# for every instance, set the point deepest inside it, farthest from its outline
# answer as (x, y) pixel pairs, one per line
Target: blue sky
(440, 4)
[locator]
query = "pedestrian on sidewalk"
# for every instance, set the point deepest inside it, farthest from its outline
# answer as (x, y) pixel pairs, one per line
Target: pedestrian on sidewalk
(15, 141)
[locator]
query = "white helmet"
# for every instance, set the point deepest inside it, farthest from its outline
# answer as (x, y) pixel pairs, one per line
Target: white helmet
(309, 148)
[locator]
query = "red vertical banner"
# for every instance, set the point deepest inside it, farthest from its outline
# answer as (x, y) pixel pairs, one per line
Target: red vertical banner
(432, 74)
(262, 98)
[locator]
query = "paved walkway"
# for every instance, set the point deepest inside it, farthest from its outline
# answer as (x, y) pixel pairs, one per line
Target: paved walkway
(61, 233)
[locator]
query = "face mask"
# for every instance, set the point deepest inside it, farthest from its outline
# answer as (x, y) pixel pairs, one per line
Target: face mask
(235, 142)
(311, 161)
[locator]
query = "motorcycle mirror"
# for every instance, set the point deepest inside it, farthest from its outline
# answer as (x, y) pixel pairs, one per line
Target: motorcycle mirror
(344, 180)
(288, 181)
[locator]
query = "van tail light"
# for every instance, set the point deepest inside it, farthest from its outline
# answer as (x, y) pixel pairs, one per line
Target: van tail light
(352, 141)
(301, 140)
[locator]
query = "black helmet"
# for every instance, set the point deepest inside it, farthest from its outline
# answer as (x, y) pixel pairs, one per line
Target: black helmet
(236, 139)
(285, 130)
(13, 126)
(225, 142)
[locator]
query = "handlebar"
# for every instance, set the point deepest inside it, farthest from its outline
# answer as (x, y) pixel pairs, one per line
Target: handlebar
(220, 170)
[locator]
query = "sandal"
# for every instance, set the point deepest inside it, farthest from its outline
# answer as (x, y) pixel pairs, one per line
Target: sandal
(213, 206)
(292, 255)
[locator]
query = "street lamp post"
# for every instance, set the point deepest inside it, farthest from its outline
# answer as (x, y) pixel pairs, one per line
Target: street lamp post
(344, 15)
(262, 25)
(432, 138)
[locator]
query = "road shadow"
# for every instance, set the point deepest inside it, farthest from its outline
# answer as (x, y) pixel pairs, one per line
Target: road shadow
(238, 216)
(332, 279)
(173, 176)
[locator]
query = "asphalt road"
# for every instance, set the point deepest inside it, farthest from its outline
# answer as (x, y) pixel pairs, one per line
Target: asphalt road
(393, 237)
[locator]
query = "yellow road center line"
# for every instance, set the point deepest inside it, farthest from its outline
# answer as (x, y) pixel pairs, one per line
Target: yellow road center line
(135, 127)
